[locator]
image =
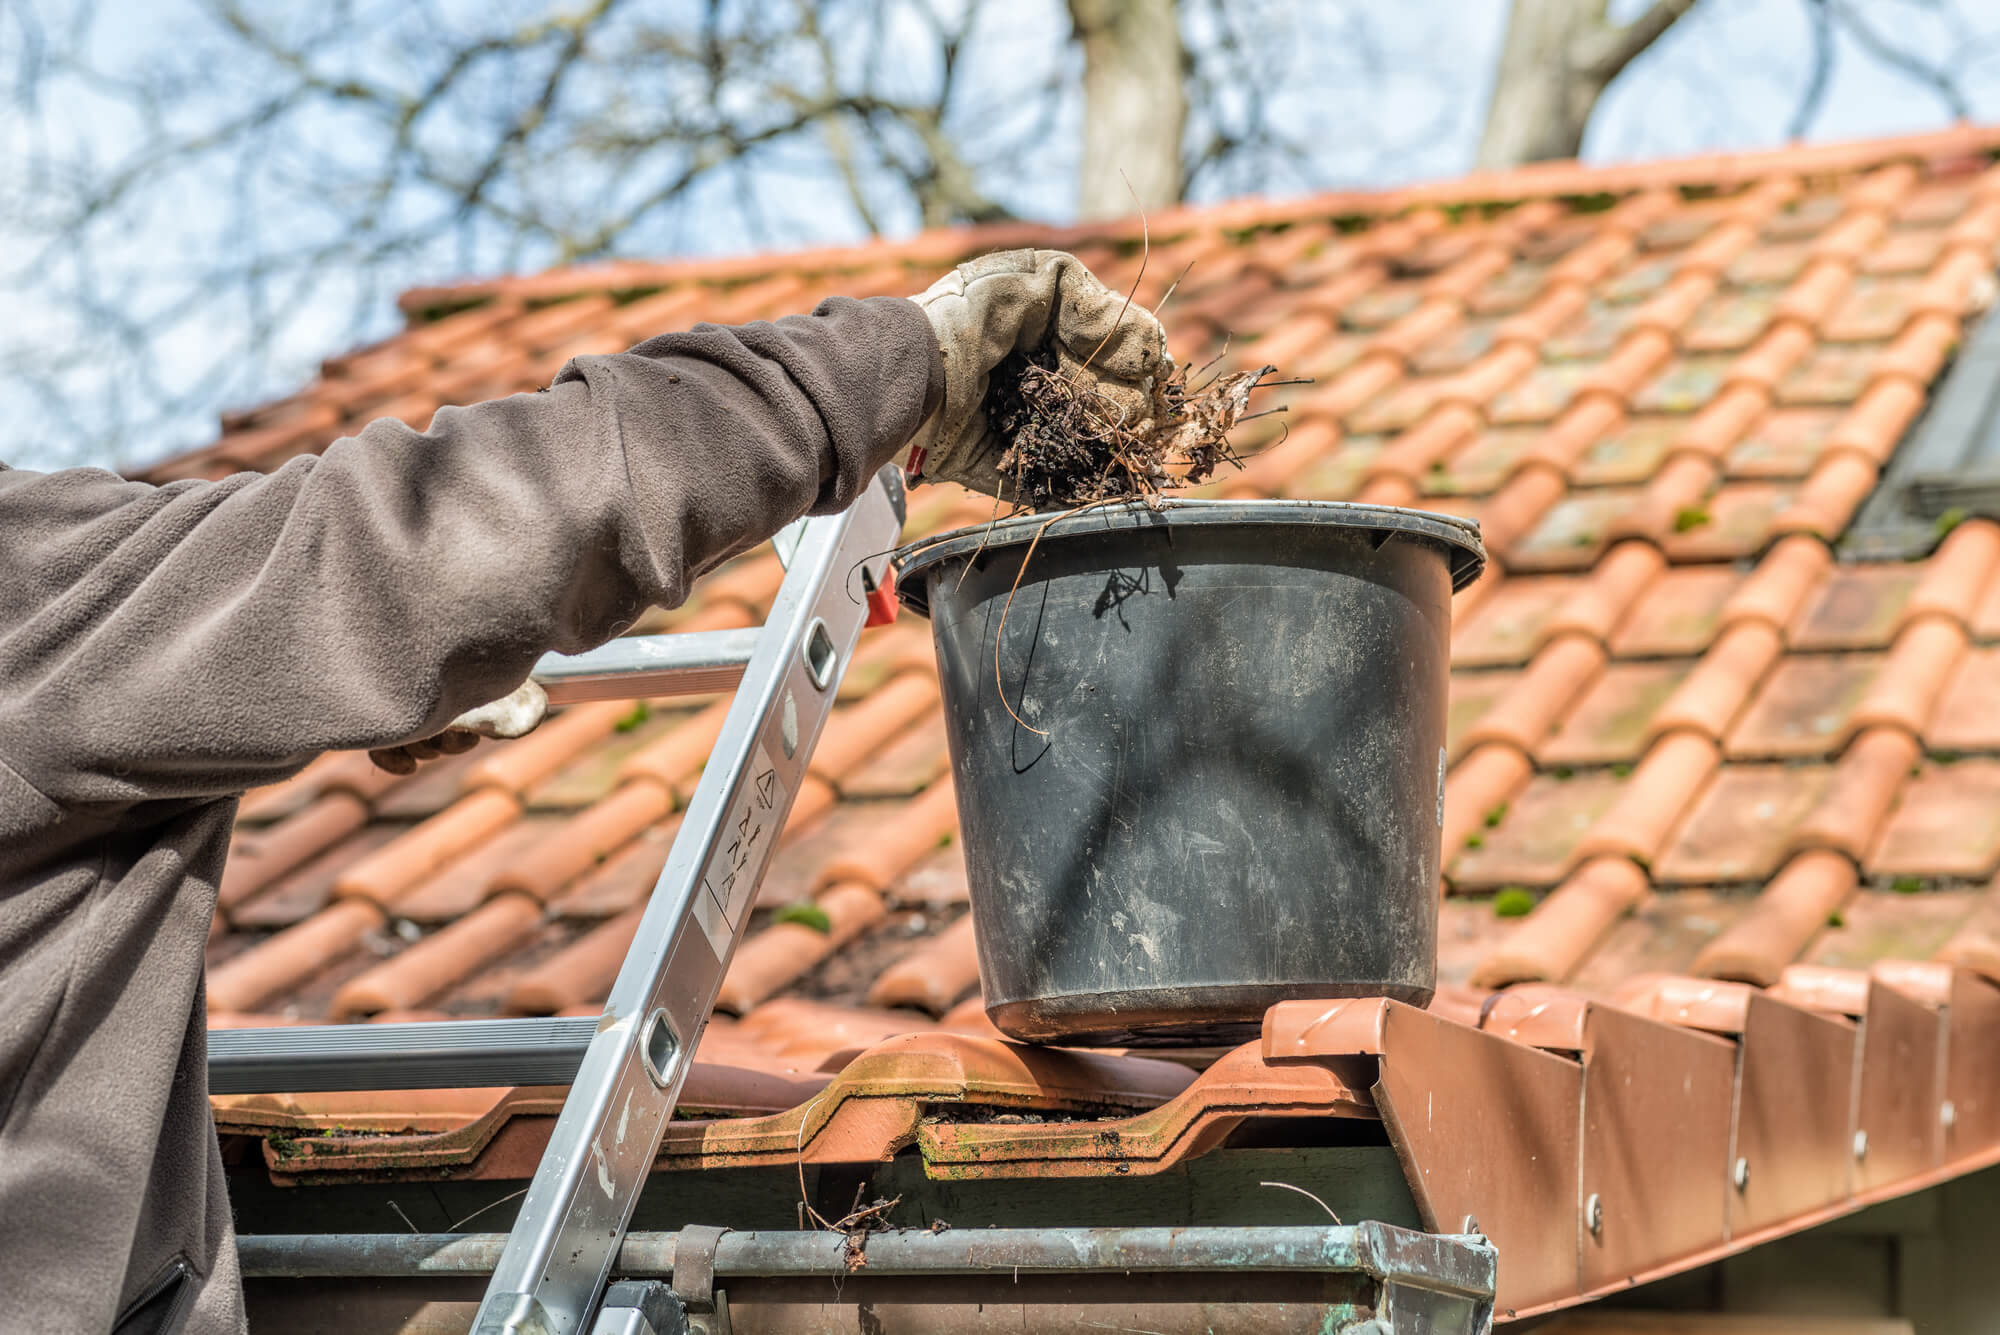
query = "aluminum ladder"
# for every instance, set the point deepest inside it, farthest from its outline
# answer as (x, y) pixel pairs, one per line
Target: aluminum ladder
(625, 1068)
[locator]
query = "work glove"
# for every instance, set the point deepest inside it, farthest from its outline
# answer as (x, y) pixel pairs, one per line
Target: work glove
(513, 715)
(1019, 301)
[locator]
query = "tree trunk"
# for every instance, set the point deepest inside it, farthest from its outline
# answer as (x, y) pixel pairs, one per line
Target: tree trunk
(1134, 106)
(1559, 57)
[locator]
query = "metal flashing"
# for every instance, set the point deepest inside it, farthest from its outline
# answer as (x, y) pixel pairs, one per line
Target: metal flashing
(1949, 463)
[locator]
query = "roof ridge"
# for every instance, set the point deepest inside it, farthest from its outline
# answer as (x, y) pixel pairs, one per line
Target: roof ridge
(938, 245)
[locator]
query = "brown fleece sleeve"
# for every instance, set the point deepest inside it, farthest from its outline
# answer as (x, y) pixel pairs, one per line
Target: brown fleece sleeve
(196, 639)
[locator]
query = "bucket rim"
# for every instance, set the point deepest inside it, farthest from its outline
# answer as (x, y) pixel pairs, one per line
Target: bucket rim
(1458, 536)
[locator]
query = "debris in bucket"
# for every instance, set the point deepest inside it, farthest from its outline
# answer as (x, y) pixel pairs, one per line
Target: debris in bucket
(1064, 449)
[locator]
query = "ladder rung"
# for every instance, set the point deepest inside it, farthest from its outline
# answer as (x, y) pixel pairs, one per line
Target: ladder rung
(643, 666)
(425, 1054)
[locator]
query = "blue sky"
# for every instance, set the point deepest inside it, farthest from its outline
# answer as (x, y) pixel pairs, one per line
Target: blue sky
(1381, 94)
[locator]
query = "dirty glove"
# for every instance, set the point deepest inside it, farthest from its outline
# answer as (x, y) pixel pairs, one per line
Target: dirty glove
(513, 715)
(1018, 300)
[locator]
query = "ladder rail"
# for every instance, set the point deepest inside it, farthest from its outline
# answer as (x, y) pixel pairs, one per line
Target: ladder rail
(416, 1054)
(576, 1210)
(641, 666)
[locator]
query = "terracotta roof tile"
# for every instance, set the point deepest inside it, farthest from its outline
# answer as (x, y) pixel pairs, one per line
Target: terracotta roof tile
(259, 857)
(579, 973)
(1673, 716)
(623, 879)
(1878, 420)
(856, 732)
(446, 956)
(1535, 838)
(933, 976)
(1986, 620)
(1573, 532)
(1679, 614)
(1478, 789)
(400, 865)
(1806, 707)
(1736, 522)
(524, 763)
(1905, 250)
(1565, 926)
(302, 893)
(272, 967)
(1783, 444)
(1976, 943)
(467, 882)
(1959, 574)
(771, 959)
(1721, 424)
(1711, 696)
(1675, 770)
(1857, 607)
(1857, 800)
(1624, 455)
(1740, 828)
(1510, 624)
(1780, 584)
(1731, 319)
(674, 761)
(1528, 715)
(541, 870)
(436, 785)
(1788, 914)
(1943, 828)
(1965, 719)
(1907, 688)
(1609, 724)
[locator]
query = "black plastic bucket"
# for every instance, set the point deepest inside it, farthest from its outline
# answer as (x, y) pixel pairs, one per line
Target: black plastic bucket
(1238, 797)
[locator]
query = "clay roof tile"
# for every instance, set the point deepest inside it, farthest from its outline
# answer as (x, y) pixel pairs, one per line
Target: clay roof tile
(1757, 947)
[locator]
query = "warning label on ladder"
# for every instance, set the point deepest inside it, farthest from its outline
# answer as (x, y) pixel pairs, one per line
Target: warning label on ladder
(729, 882)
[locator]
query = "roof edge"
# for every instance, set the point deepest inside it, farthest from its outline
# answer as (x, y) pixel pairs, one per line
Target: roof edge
(1541, 180)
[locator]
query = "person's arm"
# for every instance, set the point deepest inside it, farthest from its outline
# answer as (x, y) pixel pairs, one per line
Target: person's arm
(197, 639)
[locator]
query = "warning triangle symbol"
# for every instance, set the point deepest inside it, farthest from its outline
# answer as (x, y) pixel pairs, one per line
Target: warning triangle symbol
(767, 783)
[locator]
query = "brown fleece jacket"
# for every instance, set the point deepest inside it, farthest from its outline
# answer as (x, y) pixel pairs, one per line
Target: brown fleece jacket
(162, 649)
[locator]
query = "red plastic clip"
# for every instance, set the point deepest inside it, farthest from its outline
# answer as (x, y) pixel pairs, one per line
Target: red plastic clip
(882, 606)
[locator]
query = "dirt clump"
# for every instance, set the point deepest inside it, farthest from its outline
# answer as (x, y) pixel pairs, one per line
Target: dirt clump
(1067, 447)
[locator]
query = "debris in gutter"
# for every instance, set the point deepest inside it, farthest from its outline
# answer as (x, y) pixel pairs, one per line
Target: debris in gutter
(1067, 446)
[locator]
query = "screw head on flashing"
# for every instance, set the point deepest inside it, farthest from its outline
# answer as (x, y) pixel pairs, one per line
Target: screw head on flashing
(1861, 1144)
(1741, 1175)
(1593, 1214)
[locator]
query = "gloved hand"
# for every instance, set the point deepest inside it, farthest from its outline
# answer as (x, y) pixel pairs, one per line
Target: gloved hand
(513, 715)
(1017, 300)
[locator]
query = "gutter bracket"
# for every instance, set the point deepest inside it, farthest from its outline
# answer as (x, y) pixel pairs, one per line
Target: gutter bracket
(694, 1266)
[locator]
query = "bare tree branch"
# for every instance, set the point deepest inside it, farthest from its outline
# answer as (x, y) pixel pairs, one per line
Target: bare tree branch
(1605, 53)
(1912, 67)
(1810, 101)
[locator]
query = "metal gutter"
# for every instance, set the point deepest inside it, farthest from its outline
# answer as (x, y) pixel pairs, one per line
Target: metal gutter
(1335, 1278)
(1456, 1264)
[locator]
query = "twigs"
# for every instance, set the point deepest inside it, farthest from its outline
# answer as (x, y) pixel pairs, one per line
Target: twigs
(1072, 445)
(1145, 255)
(1308, 1195)
(859, 1221)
